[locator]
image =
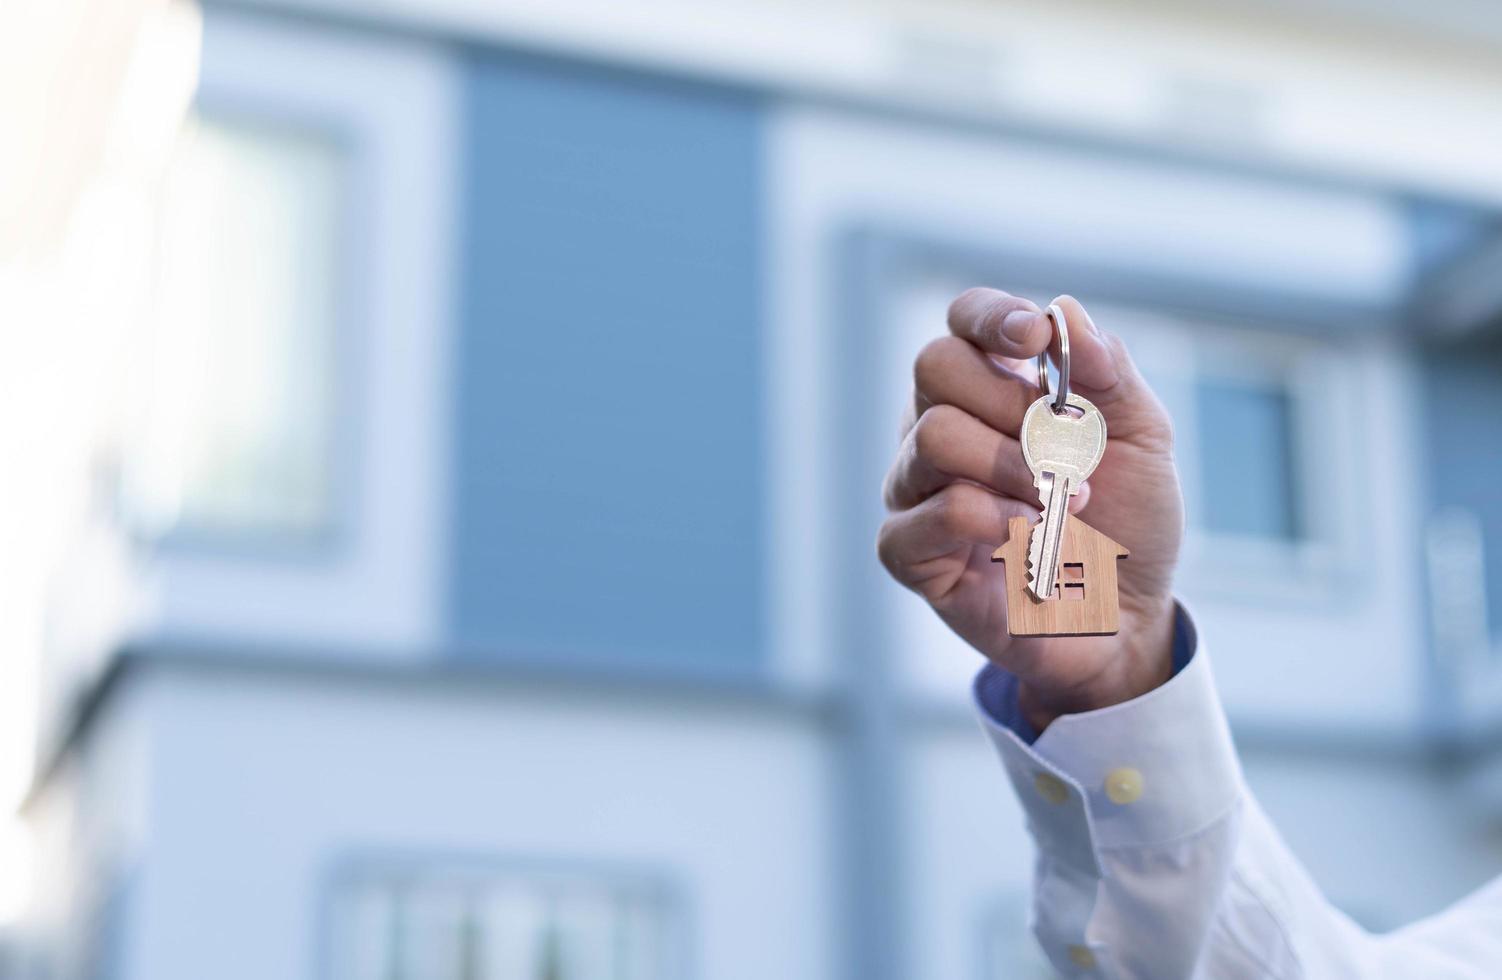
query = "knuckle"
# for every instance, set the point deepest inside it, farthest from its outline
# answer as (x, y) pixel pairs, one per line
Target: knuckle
(931, 364)
(884, 548)
(1163, 433)
(1121, 355)
(889, 491)
(954, 507)
(934, 431)
(968, 300)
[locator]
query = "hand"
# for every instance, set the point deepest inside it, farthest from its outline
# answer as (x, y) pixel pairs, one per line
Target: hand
(960, 475)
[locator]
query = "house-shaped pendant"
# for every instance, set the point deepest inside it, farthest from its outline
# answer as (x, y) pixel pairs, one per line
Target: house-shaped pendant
(1084, 603)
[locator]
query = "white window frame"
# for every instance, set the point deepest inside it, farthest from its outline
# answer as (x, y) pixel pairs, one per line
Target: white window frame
(458, 887)
(1322, 377)
(186, 534)
(378, 587)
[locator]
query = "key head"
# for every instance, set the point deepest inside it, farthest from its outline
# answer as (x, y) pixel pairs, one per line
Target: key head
(1063, 444)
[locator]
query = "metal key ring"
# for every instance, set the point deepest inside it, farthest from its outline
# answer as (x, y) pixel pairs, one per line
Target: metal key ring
(1061, 327)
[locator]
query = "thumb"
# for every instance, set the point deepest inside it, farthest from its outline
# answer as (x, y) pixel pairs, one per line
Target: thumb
(1102, 370)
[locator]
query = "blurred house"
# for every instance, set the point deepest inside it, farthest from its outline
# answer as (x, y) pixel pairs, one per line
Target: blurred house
(482, 585)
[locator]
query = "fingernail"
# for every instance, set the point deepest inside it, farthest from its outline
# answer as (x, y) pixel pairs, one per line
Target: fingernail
(1016, 324)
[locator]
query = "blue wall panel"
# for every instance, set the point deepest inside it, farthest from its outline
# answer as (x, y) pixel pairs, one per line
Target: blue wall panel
(609, 446)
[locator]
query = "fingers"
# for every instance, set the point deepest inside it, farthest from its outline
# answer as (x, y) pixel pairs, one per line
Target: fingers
(1010, 326)
(951, 371)
(961, 515)
(1099, 365)
(949, 445)
(999, 323)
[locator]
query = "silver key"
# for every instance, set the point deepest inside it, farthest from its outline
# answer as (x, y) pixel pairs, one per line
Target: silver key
(1062, 451)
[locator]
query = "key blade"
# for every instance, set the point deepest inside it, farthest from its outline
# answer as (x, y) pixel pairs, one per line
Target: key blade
(1035, 537)
(1048, 537)
(1035, 562)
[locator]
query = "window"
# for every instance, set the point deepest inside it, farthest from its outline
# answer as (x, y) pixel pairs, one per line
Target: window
(1463, 401)
(236, 432)
(466, 924)
(1247, 458)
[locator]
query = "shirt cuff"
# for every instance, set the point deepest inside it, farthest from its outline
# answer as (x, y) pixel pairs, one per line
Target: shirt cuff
(1145, 771)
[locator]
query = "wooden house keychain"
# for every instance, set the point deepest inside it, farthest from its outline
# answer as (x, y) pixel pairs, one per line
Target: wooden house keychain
(1061, 572)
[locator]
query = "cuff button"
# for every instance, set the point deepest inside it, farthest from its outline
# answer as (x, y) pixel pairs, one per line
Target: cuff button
(1081, 957)
(1124, 785)
(1050, 787)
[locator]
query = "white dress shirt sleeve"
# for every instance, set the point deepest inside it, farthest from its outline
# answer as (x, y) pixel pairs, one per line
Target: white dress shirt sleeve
(1154, 862)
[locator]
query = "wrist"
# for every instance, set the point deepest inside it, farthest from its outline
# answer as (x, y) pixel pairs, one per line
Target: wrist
(1139, 660)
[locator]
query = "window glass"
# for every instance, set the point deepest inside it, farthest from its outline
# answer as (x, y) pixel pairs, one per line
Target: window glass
(238, 407)
(464, 924)
(1248, 469)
